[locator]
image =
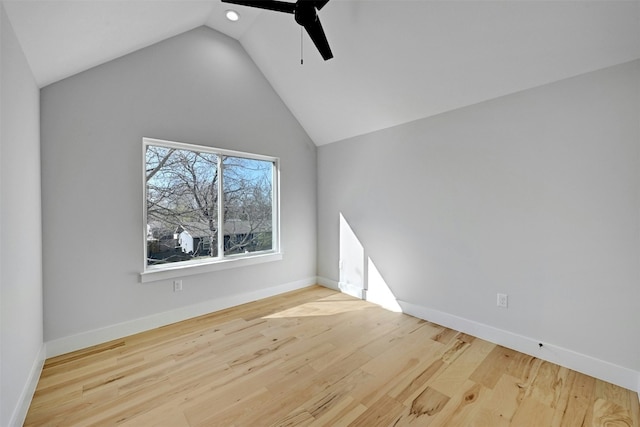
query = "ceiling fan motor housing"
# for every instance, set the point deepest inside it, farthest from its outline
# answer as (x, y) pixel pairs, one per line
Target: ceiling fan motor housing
(305, 13)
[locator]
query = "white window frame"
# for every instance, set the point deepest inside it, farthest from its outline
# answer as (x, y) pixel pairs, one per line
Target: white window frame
(221, 262)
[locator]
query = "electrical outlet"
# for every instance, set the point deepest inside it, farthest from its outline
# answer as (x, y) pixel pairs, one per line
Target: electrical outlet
(177, 286)
(503, 300)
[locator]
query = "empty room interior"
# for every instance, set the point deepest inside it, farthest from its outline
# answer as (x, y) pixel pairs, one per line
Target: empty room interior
(390, 212)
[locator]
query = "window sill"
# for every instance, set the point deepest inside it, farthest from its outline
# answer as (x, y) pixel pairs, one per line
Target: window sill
(153, 274)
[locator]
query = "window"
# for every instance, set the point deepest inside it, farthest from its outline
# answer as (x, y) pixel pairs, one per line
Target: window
(207, 206)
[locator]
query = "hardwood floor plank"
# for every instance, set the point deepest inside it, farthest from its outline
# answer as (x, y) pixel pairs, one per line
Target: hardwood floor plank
(548, 384)
(315, 357)
(609, 413)
(415, 382)
(504, 401)
(337, 412)
(611, 393)
(54, 415)
(384, 412)
(563, 404)
(532, 413)
(462, 359)
(634, 408)
(524, 367)
(163, 416)
(463, 406)
(444, 335)
(430, 402)
(493, 366)
(344, 418)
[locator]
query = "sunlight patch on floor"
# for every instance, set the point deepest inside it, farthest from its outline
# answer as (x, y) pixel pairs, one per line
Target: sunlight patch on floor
(330, 306)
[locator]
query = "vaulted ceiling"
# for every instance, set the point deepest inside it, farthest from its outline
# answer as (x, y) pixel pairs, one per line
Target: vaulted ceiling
(395, 60)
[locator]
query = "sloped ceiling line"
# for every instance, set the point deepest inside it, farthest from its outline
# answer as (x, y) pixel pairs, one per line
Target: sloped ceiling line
(395, 60)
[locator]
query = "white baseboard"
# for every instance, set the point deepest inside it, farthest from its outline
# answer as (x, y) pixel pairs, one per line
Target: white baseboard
(606, 371)
(24, 401)
(344, 287)
(327, 283)
(351, 289)
(98, 336)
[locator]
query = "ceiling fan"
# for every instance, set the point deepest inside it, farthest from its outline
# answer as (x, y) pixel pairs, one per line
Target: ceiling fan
(305, 13)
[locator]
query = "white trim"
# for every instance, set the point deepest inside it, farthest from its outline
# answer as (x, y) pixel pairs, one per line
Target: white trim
(328, 283)
(120, 330)
(344, 287)
(207, 149)
(24, 401)
(606, 371)
(351, 289)
(276, 241)
(180, 269)
(221, 203)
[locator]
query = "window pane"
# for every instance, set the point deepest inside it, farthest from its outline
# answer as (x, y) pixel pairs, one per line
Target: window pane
(248, 211)
(182, 205)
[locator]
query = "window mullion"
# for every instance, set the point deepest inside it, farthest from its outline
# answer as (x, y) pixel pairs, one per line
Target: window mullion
(275, 208)
(220, 209)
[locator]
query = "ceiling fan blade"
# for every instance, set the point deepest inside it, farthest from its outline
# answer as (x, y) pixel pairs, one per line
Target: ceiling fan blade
(278, 6)
(315, 31)
(319, 4)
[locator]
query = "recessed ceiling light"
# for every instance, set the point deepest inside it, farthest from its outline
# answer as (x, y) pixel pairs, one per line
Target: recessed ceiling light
(232, 15)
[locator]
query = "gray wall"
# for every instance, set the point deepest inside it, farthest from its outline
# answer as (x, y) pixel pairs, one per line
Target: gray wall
(536, 194)
(20, 230)
(199, 87)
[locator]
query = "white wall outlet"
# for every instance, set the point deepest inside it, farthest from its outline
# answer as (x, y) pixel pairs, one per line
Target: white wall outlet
(503, 300)
(177, 286)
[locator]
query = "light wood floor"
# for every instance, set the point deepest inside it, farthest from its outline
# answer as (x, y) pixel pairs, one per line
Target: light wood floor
(317, 358)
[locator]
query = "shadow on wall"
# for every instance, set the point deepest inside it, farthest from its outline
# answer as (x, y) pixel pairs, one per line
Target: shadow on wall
(359, 276)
